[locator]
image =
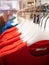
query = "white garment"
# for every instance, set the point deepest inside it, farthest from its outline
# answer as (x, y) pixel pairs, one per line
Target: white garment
(32, 32)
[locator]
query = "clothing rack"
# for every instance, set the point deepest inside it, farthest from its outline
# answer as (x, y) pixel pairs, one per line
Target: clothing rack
(34, 10)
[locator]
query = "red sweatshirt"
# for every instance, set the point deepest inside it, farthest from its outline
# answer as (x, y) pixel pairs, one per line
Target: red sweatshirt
(13, 51)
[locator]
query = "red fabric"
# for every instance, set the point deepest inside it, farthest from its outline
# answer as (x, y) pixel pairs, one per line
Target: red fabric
(13, 51)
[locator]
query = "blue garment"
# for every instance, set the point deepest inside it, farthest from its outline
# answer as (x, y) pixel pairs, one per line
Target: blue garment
(8, 25)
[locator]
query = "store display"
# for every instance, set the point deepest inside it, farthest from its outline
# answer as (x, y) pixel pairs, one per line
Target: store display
(24, 32)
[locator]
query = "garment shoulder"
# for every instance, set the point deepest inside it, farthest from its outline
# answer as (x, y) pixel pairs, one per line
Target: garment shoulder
(8, 34)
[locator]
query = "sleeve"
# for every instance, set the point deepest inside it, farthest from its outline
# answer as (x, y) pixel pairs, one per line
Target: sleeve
(10, 42)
